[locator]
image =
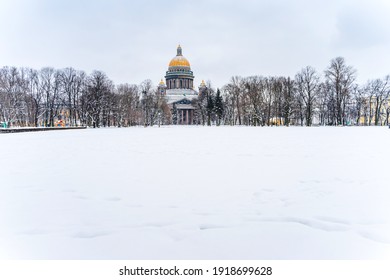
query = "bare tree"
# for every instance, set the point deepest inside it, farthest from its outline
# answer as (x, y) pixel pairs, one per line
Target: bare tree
(12, 101)
(288, 99)
(340, 78)
(235, 90)
(359, 104)
(128, 104)
(149, 102)
(98, 87)
(378, 94)
(73, 83)
(307, 81)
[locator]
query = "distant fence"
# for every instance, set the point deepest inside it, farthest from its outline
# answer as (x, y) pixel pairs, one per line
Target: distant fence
(32, 129)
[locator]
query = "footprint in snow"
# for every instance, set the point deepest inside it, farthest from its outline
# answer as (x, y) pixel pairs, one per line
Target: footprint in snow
(90, 234)
(312, 223)
(33, 232)
(113, 199)
(68, 191)
(332, 220)
(211, 226)
(380, 238)
(80, 197)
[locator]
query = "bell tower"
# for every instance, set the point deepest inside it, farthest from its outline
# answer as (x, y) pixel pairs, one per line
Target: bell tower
(162, 88)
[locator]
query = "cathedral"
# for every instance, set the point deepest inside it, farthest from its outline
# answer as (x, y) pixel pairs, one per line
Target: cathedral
(178, 89)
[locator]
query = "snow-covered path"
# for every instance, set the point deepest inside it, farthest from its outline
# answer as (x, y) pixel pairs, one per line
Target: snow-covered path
(196, 193)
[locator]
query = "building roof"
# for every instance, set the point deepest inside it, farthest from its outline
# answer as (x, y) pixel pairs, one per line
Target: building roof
(174, 95)
(184, 106)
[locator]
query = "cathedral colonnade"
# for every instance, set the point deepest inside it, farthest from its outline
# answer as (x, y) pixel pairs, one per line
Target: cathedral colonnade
(185, 116)
(180, 84)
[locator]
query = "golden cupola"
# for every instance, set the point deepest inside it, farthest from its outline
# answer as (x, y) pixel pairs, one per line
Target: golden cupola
(161, 83)
(179, 61)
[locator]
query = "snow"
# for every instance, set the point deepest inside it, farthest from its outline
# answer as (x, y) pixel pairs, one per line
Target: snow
(196, 193)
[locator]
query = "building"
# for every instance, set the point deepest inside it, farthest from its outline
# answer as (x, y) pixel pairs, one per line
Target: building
(370, 110)
(178, 89)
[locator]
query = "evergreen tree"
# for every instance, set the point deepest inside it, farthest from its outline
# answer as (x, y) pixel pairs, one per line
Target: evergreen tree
(209, 108)
(218, 106)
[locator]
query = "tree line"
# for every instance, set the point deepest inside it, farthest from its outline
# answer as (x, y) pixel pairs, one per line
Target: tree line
(308, 99)
(30, 97)
(49, 97)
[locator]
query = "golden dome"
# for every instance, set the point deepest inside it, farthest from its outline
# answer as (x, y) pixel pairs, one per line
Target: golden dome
(161, 83)
(179, 60)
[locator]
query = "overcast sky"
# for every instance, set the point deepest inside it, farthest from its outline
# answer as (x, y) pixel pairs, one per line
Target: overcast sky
(134, 40)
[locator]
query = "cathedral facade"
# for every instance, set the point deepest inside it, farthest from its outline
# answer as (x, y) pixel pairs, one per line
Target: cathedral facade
(178, 89)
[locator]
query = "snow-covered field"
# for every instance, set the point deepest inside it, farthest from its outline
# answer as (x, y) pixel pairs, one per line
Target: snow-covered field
(196, 193)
